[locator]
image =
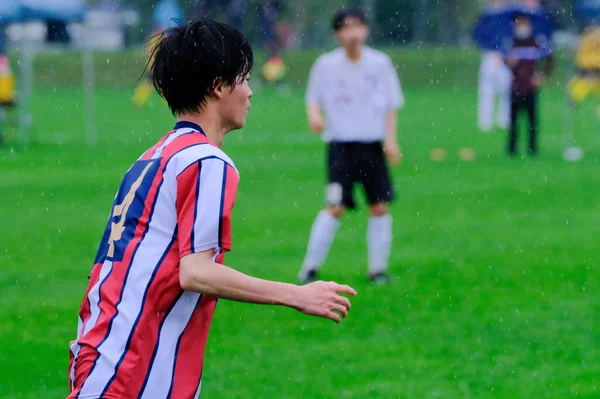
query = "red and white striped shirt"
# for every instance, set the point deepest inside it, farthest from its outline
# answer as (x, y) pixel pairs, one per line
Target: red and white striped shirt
(139, 334)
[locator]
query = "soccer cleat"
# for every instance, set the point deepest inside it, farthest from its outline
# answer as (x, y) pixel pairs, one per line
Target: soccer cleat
(308, 277)
(379, 278)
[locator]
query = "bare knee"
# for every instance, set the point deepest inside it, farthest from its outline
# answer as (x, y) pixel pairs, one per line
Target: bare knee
(379, 209)
(337, 211)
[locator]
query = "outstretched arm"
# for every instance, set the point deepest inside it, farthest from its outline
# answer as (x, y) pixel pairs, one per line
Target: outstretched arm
(199, 273)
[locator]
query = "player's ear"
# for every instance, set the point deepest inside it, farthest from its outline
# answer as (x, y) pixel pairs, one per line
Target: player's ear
(217, 92)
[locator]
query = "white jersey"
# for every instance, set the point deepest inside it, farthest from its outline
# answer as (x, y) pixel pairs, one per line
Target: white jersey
(355, 96)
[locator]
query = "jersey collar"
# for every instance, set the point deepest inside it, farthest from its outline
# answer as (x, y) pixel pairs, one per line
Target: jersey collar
(188, 125)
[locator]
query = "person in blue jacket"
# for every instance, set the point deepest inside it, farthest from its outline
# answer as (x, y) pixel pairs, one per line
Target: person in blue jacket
(493, 35)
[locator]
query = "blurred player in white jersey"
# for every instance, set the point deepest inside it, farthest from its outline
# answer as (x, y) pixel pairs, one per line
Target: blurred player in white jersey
(352, 100)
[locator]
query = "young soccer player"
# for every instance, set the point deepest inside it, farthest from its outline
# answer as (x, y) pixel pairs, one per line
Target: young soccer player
(358, 90)
(144, 320)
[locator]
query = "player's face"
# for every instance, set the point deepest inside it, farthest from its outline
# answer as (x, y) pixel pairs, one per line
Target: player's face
(353, 34)
(523, 29)
(236, 103)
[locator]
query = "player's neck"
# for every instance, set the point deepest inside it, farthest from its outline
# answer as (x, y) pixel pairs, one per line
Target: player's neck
(209, 124)
(354, 54)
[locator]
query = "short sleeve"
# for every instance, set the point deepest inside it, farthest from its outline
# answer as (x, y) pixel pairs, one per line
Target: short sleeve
(314, 88)
(395, 98)
(206, 193)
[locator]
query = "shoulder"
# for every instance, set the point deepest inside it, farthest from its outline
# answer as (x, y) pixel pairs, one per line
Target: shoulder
(378, 58)
(329, 58)
(205, 154)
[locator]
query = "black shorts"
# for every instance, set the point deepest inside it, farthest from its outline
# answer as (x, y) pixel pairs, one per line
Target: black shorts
(351, 162)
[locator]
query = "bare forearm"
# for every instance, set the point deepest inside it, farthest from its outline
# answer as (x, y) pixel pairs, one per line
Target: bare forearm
(315, 118)
(312, 111)
(223, 282)
(391, 124)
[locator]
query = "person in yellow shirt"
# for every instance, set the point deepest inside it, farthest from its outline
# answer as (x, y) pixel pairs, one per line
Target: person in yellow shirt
(587, 61)
(7, 77)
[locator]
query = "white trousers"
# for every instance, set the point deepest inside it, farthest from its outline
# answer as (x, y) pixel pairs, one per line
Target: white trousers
(493, 108)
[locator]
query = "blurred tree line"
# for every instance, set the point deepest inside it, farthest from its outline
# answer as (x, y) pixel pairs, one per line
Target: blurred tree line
(394, 22)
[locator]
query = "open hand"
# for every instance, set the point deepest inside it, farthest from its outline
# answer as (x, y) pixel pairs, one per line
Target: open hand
(323, 299)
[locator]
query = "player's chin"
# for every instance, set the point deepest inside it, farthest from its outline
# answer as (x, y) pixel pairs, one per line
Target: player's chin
(238, 124)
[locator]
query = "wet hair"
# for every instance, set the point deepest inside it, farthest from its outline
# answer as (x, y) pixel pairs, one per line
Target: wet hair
(338, 20)
(191, 60)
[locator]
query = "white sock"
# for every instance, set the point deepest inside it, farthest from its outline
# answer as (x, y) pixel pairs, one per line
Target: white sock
(379, 238)
(321, 238)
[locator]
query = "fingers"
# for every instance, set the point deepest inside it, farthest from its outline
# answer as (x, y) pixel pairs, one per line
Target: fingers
(341, 300)
(340, 309)
(334, 316)
(345, 289)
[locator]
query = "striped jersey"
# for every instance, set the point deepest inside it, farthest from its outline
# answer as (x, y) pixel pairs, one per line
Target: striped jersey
(139, 334)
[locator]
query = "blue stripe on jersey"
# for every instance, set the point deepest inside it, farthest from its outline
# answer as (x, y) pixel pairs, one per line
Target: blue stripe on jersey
(222, 204)
(177, 349)
(196, 207)
(207, 157)
(110, 323)
(202, 371)
(137, 319)
(128, 220)
(157, 343)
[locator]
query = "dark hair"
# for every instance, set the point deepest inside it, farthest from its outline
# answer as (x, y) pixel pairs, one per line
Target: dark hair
(191, 60)
(339, 18)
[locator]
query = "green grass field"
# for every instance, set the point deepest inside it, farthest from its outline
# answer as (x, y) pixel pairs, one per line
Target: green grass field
(495, 262)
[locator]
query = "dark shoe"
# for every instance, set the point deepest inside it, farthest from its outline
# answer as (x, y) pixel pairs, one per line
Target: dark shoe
(379, 278)
(308, 277)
